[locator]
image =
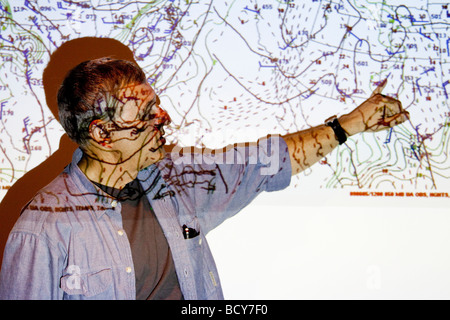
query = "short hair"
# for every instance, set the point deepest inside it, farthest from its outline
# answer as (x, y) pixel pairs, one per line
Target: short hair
(86, 93)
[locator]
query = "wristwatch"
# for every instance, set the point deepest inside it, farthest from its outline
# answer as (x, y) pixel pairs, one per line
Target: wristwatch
(340, 133)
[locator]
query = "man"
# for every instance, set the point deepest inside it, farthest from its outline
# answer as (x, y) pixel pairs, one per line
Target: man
(125, 220)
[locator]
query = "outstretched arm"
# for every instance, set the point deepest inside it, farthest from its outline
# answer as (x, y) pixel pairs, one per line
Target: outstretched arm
(377, 113)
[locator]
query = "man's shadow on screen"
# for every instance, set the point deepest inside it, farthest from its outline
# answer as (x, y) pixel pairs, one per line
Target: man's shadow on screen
(67, 56)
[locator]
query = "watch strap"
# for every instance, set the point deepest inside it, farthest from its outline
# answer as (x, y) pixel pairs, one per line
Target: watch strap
(340, 133)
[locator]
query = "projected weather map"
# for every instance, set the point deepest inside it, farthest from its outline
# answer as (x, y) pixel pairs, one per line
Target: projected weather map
(234, 71)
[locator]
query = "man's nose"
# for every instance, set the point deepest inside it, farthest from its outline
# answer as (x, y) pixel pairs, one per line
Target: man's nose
(162, 117)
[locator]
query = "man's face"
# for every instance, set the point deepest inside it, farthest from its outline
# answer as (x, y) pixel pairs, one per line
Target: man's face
(136, 129)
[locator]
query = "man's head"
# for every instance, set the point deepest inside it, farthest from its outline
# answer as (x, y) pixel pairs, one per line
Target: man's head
(107, 104)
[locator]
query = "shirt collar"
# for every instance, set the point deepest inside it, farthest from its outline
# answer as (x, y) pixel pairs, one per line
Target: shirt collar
(82, 186)
(150, 178)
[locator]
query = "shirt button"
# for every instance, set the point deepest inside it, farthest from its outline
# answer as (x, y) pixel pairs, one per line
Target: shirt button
(114, 203)
(120, 232)
(128, 269)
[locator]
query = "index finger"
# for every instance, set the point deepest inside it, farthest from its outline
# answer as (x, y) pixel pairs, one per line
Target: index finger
(380, 87)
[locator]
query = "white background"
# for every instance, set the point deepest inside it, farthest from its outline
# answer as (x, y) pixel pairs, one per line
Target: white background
(383, 249)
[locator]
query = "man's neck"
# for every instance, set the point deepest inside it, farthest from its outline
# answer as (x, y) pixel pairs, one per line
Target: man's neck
(106, 173)
(108, 168)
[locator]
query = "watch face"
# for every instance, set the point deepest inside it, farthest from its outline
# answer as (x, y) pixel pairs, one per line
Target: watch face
(333, 122)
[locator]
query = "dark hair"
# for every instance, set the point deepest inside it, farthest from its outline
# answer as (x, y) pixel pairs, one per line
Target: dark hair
(87, 91)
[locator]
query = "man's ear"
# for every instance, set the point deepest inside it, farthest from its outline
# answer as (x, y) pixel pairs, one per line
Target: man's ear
(99, 134)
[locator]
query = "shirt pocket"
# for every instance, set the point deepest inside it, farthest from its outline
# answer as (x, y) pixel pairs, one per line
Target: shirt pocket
(87, 284)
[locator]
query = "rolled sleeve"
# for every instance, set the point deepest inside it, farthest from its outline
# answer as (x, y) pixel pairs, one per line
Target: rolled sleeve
(275, 163)
(239, 175)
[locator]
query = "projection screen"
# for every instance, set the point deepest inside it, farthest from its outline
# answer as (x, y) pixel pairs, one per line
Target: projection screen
(370, 220)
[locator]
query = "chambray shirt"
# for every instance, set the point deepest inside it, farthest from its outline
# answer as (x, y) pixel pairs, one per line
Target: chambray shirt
(69, 241)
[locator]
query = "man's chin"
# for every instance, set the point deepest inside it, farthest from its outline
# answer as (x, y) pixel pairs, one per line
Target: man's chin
(157, 154)
(160, 146)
